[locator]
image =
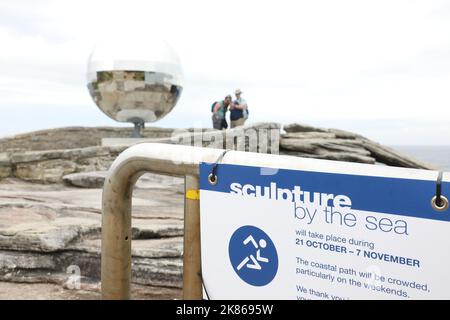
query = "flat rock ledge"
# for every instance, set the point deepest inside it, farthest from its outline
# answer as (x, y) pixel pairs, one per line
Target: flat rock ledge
(32, 162)
(47, 231)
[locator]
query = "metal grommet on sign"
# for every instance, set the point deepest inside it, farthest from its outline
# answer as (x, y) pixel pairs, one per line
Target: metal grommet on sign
(441, 205)
(212, 178)
(439, 202)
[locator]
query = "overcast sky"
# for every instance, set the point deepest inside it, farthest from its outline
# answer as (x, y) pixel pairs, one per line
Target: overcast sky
(379, 68)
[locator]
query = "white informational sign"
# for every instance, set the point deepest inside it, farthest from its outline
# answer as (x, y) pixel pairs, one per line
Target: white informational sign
(346, 232)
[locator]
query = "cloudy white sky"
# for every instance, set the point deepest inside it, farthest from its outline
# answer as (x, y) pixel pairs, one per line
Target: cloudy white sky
(380, 68)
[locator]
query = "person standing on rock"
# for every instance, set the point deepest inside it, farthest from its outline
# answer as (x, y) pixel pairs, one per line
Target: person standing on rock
(239, 110)
(219, 110)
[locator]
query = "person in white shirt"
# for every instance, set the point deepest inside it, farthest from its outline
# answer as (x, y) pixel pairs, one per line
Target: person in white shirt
(239, 110)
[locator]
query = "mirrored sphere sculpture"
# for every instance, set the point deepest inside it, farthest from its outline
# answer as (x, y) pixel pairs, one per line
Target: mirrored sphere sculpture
(134, 79)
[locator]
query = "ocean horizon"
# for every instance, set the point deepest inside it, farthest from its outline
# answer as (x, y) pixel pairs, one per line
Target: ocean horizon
(438, 156)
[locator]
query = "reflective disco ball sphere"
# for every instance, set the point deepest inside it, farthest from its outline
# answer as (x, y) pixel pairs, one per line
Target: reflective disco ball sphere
(134, 78)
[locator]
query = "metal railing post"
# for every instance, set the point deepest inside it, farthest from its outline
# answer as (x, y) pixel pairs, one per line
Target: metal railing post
(116, 212)
(116, 208)
(192, 282)
(116, 241)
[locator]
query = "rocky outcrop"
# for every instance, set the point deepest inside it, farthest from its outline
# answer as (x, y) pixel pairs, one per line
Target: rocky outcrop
(46, 230)
(73, 138)
(298, 127)
(5, 166)
(50, 166)
(94, 179)
(333, 144)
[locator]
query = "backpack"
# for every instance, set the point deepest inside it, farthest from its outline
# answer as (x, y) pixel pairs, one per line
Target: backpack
(212, 107)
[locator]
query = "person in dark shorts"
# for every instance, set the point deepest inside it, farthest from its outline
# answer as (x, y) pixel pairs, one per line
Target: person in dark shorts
(238, 110)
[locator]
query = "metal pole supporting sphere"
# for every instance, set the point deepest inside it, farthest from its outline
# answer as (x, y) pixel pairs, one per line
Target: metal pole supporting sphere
(132, 80)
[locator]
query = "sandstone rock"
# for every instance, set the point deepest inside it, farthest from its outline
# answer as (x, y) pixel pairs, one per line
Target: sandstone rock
(299, 127)
(5, 166)
(88, 152)
(335, 144)
(94, 179)
(73, 137)
(341, 145)
(48, 236)
(308, 135)
(393, 158)
(49, 171)
(342, 134)
(50, 166)
(264, 138)
(337, 156)
(298, 145)
(44, 229)
(321, 146)
(159, 255)
(83, 137)
(262, 125)
(5, 171)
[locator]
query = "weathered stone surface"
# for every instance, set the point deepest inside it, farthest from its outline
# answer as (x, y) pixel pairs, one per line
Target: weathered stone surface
(88, 152)
(73, 137)
(298, 146)
(335, 144)
(300, 127)
(93, 179)
(50, 166)
(83, 137)
(44, 229)
(5, 172)
(256, 137)
(322, 146)
(337, 156)
(264, 138)
(48, 236)
(152, 266)
(263, 125)
(340, 145)
(393, 158)
(5, 166)
(342, 134)
(4, 159)
(96, 179)
(308, 135)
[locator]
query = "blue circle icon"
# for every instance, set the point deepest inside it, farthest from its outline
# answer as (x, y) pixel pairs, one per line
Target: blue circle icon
(253, 256)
